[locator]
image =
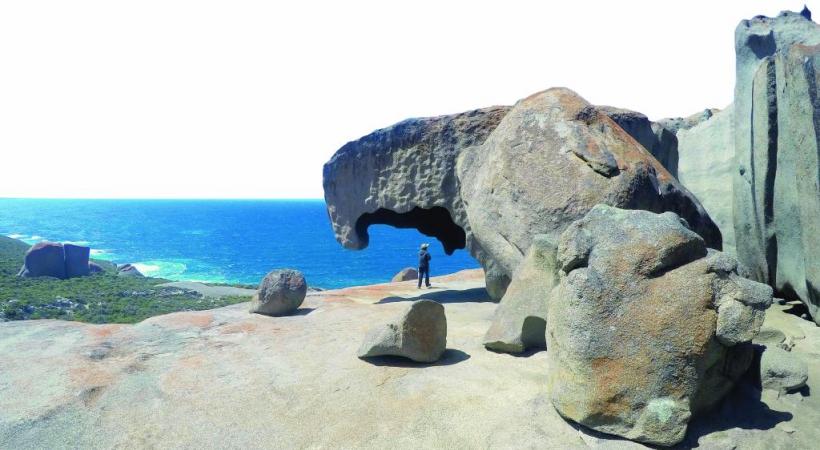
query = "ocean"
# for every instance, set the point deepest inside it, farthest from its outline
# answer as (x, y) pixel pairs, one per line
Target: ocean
(222, 241)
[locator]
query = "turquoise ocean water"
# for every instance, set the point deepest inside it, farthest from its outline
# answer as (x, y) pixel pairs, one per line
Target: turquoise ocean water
(232, 241)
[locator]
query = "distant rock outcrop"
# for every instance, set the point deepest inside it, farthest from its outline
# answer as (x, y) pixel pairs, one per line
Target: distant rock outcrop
(419, 333)
(128, 270)
(53, 259)
(280, 293)
(406, 274)
(647, 326)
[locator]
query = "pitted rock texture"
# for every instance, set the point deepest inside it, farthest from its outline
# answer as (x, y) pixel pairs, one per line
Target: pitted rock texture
(647, 326)
(419, 333)
(777, 129)
(404, 176)
(280, 293)
(550, 160)
(520, 320)
(706, 166)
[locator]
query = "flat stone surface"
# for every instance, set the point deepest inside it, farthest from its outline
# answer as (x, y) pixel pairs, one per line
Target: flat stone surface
(230, 379)
(209, 291)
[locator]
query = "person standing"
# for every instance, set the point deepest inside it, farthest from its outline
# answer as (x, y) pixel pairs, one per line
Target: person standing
(424, 265)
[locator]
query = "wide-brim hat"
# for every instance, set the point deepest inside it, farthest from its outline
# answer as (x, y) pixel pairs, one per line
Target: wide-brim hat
(425, 245)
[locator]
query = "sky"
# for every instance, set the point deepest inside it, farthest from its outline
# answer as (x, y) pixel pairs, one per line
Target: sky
(248, 99)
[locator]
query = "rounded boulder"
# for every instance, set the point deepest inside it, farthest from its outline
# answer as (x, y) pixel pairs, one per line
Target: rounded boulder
(280, 293)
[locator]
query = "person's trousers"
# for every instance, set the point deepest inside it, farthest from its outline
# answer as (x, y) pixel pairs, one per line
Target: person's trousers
(425, 273)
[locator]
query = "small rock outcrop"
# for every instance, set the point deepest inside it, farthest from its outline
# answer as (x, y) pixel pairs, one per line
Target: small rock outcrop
(44, 259)
(647, 325)
(781, 371)
(95, 268)
(280, 293)
(406, 274)
(520, 320)
(128, 270)
(777, 143)
(418, 333)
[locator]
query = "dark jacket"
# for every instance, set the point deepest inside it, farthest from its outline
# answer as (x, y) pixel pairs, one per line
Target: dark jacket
(424, 259)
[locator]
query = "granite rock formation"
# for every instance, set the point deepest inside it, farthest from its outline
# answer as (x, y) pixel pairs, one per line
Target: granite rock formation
(520, 320)
(776, 125)
(419, 333)
(647, 326)
(53, 259)
(781, 371)
(490, 179)
(128, 270)
(655, 138)
(280, 293)
(550, 160)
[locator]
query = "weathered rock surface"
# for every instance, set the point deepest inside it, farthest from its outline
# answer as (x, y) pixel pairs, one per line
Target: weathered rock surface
(776, 196)
(521, 318)
(406, 274)
(647, 326)
(76, 260)
(163, 383)
(550, 160)
(677, 124)
(655, 138)
(418, 333)
(706, 166)
(128, 270)
(44, 259)
(281, 292)
(782, 371)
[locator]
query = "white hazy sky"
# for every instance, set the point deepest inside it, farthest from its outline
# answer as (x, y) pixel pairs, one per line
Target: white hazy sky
(227, 99)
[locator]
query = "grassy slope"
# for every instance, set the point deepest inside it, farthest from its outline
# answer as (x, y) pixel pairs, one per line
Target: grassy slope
(100, 298)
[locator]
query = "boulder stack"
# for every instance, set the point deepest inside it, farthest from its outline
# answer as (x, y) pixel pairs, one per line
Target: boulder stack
(647, 325)
(53, 259)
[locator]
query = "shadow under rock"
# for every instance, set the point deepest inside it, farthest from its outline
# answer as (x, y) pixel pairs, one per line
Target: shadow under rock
(474, 295)
(302, 311)
(742, 408)
(450, 357)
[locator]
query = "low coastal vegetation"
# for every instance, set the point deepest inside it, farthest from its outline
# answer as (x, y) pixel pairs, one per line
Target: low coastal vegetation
(98, 298)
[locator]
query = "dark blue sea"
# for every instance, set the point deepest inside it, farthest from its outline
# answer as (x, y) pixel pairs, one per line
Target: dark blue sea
(228, 241)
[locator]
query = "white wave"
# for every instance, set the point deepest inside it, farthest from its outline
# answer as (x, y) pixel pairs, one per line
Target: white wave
(35, 238)
(16, 236)
(171, 270)
(82, 243)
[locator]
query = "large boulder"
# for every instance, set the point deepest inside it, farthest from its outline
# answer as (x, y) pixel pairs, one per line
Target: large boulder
(706, 166)
(406, 274)
(76, 260)
(44, 259)
(418, 333)
(777, 139)
(280, 293)
(520, 320)
(550, 160)
(647, 326)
